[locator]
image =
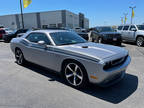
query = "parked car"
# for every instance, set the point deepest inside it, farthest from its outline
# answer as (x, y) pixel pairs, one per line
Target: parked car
(132, 33)
(8, 31)
(77, 60)
(84, 35)
(105, 35)
(2, 33)
(18, 33)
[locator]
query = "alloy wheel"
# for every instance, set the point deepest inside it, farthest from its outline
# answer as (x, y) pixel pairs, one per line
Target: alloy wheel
(19, 57)
(140, 41)
(74, 74)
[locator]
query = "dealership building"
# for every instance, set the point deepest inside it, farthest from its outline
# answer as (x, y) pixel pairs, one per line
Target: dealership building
(59, 18)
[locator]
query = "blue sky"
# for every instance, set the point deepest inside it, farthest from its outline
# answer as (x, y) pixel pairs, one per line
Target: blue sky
(99, 12)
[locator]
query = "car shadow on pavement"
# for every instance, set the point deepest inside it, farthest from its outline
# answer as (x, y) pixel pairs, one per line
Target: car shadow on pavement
(122, 46)
(116, 93)
(113, 94)
(130, 43)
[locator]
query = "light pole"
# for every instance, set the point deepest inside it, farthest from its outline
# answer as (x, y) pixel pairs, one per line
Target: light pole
(132, 15)
(22, 14)
(125, 16)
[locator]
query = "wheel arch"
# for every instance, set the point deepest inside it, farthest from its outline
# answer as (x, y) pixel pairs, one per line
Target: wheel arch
(139, 36)
(68, 60)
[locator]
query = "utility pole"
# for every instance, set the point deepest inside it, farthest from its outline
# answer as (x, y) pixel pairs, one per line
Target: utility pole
(125, 16)
(22, 14)
(132, 13)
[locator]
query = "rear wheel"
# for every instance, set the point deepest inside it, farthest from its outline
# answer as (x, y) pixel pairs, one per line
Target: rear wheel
(140, 41)
(19, 57)
(75, 75)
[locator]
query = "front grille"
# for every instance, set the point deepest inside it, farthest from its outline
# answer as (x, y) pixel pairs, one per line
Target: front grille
(115, 63)
(115, 35)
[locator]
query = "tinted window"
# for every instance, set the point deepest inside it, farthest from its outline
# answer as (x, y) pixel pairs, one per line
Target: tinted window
(66, 38)
(132, 27)
(140, 27)
(35, 37)
(120, 27)
(104, 29)
(125, 27)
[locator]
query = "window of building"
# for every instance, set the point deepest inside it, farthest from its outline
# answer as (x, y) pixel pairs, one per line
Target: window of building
(52, 25)
(44, 26)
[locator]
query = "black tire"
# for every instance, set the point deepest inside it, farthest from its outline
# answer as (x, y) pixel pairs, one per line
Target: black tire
(80, 75)
(20, 60)
(140, 41)
(119, 44)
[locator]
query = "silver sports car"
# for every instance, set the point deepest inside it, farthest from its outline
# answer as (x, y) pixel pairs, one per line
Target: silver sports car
(77, 60)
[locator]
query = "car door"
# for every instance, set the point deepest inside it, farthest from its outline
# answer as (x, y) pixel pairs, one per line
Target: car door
(131, 33)
(40, 54)
(125, 32)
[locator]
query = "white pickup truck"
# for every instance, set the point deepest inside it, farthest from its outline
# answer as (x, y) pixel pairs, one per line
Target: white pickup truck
(132, 33)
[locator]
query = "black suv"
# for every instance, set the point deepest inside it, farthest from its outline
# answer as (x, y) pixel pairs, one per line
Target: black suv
(106, 35)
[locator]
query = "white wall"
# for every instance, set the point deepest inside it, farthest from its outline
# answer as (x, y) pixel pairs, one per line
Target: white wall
(29, 20)
(51, 17)
(8, 21)
(72, 20)
(46, 18)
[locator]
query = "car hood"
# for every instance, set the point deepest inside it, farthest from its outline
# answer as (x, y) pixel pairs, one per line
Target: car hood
(107, 33)
(95, 50)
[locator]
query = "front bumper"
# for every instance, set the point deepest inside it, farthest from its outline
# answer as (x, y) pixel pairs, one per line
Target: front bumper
(111, 76)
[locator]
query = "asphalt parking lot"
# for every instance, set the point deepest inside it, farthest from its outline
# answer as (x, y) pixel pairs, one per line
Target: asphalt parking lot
(31, 86)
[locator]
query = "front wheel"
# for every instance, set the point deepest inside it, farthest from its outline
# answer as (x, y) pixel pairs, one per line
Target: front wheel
(140, 41)
(75, 75)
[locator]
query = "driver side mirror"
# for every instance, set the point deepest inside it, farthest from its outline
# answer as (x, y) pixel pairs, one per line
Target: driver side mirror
(134, 29)
(42, 43)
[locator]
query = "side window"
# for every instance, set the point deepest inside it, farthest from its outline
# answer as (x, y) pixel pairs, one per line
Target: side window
(43, 37)
(35, 37)
(126, 28)
(132, 27)
(120, 27)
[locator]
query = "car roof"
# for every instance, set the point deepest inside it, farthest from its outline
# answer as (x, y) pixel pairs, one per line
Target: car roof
(49, 31)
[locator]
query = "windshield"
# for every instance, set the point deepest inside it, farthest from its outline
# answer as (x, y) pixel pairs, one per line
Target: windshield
(104, 29)
(140, 27)
(66, 38)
